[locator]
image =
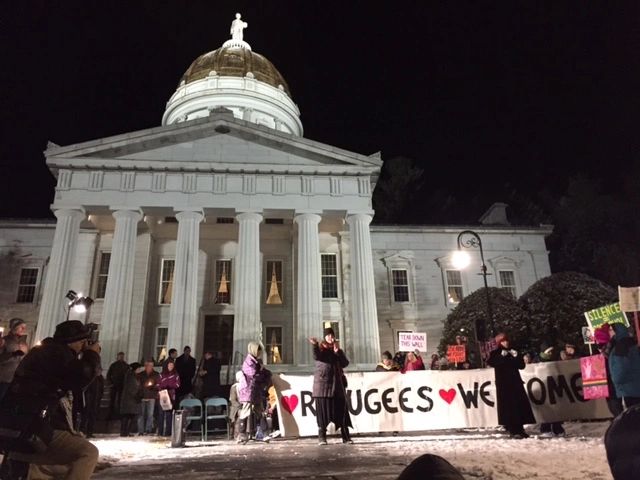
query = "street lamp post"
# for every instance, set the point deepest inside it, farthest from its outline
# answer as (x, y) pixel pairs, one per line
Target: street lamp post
(461, 259)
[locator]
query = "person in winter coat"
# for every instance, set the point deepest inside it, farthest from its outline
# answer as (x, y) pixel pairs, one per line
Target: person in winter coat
(387, 364)
(115, 378)
(234, 404)
(251, 392)
(622, 443)
(602, 339)
(430, 467)
(329, 387)
(514, 409)
(130, 399)
(148, 380)
(413, 362)
(624, 365)
(13, 348)
(186, 367)
(210, 373)
(549, 430)
(169, 381)
(47, 373)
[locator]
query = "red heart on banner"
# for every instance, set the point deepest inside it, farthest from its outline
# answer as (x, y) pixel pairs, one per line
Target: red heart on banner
(447, 395)
(289, 403)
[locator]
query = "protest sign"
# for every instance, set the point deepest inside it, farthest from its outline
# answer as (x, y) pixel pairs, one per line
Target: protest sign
(608, 314)
(629, 299)
(410, 341)
(594, 377)
(587, 335)
(456, 353)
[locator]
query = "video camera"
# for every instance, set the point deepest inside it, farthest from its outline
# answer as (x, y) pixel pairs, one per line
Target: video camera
(94, 333)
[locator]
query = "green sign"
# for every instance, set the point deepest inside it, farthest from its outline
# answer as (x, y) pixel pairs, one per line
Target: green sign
(607, 314)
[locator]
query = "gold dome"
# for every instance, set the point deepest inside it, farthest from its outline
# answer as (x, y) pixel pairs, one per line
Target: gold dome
(235, 62)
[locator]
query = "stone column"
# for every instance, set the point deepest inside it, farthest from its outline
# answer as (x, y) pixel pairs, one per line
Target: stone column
(364, 314)
(65, 240)
(309, 290)
(246, 298)
(116, 315)
(183, 314)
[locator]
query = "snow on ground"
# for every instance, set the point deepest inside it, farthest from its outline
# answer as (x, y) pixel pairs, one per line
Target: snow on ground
(479, 454)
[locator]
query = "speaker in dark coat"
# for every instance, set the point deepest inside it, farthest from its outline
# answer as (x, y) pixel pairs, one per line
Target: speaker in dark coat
(622, 442)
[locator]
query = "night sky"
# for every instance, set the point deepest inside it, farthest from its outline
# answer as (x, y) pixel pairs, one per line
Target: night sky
(484, 96)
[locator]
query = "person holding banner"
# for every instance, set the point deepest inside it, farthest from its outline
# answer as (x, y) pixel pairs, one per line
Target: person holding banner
(329, 387)
(514, 409)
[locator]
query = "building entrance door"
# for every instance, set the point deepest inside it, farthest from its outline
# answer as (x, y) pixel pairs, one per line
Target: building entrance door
(218, 336)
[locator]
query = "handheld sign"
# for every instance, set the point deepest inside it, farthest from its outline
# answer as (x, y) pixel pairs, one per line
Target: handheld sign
(607, 314)
(410, 341)
(456, 353)
(629, 299)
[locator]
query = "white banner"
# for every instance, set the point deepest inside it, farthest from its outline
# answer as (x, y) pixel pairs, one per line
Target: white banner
(434, 400)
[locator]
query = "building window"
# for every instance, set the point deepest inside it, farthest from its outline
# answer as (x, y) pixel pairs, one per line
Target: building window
(454, 286)
(335, 326)
(166, 282)
(274, 283)
(103, 273)
(27, 285)
(329, 272)
(508, 281)
(400, 283)
(223, 281)
(274, 221)
(224, 220)
(273, 335)
(161, 344)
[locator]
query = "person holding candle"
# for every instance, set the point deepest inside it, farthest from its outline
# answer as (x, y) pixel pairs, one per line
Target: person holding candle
(148, 380)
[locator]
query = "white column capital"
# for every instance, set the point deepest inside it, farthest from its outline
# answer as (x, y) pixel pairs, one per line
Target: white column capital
(313, 217)
(197, 215)
(128, 213)
(77, 212)
(249, 217)
(359, 216)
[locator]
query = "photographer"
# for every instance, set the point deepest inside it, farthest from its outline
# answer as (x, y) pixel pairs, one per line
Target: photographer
(38, 403)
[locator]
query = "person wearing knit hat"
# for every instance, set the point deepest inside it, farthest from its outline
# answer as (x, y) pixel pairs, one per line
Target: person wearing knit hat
(67, 362)
(601, 334)
(14, 347)
(329, 387)
(604, 344)
(514, 409)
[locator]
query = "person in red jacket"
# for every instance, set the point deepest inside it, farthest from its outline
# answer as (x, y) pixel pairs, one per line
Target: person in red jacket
(413, 362)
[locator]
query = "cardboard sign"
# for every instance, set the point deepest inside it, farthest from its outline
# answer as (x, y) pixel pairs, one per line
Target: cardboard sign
(410, 341)
(608, 314)
(456, 353)
(165, 400)
(629, 299)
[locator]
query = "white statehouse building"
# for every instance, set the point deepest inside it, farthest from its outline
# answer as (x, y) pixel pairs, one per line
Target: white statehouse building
(225, 225)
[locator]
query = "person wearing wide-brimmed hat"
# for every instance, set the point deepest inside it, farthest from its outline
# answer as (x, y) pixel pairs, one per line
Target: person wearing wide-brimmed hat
(514, 409)
(329, 386)
(13, 349)
(67, 362)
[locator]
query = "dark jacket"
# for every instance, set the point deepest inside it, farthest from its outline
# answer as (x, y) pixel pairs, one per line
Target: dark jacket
(328, 375)
(186, 367)
(514, 407)
(10, 356)
(624, 363)
(622, 443)
(149, 384)
(131, 394)
(45, 375)
(211, 380)
(116, 373)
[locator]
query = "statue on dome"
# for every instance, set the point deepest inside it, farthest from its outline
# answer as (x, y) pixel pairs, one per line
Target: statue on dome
(236, 28)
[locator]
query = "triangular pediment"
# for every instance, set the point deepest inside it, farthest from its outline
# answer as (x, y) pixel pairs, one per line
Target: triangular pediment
(219, 141)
